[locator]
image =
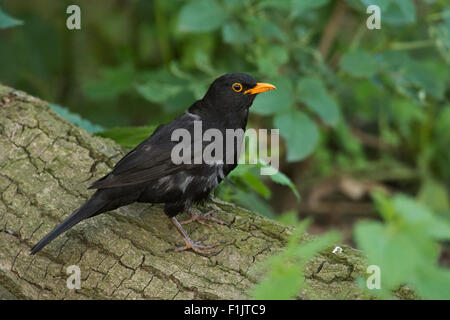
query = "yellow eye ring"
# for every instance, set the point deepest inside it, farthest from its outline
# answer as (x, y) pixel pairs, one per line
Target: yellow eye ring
(237, 87)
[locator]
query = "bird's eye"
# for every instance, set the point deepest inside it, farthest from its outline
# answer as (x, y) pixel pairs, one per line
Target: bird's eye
(237, 87)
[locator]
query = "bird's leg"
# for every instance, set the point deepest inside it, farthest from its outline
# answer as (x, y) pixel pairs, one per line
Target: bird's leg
(196, 246)
(202, 218)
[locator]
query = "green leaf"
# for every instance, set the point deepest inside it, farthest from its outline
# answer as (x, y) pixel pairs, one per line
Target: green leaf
(383, 4)
(160, 85)
(269, 59)
(275, 4)
(399, 12)
(309, 249)
(434, 195)
(113, 82)
(203, 62)
(405, 247)
(233, 33)
(417, 215)
(422, 76)
(406, 113)
(177, 103)
(433, 283)
(7, 21)
(128, 137)
(395, 12)
(404, 256)
(313, 93)
(201, 16)
(76, 119)
(234, 5)
(157, 92)
(411, 76)
(253, 202)
(441, 35)
(300, 132)
(280, 178)
(283, 284)
(300, 6)
(284, 277)
(256, 184)
(268, 28)
(289, 218)
(395, 254)
(275, 101)
(359, 64)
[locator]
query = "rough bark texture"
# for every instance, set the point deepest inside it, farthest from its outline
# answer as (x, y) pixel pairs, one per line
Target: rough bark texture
(46, 164)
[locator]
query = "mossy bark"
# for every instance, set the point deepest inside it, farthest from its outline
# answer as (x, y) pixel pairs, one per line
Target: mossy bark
(46, 163)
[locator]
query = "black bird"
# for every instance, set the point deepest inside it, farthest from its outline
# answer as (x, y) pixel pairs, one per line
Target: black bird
(148, 173)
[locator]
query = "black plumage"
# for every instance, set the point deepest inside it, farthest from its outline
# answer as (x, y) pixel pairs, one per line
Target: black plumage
(148, 174)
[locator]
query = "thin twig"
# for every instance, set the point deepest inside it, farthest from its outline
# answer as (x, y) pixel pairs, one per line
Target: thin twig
(329, 33)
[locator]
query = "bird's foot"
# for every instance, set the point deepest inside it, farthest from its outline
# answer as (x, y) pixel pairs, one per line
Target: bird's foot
(196, 246)
(203, 218)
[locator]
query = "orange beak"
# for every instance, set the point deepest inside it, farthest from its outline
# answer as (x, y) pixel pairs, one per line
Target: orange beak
(260, 87)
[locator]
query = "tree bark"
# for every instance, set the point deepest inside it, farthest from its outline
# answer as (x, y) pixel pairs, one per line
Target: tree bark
(46, 163)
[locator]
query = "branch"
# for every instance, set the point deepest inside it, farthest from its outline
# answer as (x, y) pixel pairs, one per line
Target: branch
(329, 33)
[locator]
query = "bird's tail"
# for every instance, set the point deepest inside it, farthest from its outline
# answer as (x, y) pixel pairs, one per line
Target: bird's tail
(91, 207)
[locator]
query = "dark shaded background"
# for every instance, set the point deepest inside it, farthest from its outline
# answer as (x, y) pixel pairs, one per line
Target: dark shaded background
(359, 110)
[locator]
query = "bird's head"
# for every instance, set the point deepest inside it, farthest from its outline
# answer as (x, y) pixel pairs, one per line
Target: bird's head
(234, 91)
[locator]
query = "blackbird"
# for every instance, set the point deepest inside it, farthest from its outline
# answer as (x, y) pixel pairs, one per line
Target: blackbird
(148, 174)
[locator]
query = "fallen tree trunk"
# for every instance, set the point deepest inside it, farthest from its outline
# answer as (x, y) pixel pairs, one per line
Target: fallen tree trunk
(46, 163)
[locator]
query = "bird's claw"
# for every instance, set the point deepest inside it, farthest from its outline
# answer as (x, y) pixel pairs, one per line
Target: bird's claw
(202, 218)
(198, 246)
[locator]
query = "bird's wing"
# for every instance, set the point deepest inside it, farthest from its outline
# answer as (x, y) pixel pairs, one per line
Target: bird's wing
(150, 160)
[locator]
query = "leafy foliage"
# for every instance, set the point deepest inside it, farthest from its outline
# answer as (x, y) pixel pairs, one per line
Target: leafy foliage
(249, 186)
(280, 178)
(313, 93)
(7, 21)
(200, 15)
(128, 137)
(405, 247)
(370, 104)
(285, 278)
(359, 64)
(298, 128)
(76, 119)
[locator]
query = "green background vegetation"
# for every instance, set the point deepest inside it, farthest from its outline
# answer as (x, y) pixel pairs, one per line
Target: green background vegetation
(364, 115)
